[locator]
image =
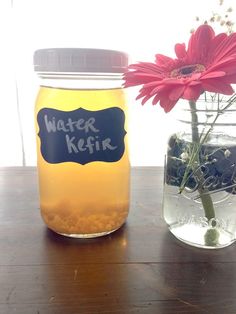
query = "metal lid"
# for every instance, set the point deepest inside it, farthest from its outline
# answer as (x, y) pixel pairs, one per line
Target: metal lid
(80, 60)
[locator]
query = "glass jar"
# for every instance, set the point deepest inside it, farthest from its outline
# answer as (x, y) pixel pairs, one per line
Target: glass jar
(200, 173)
(82, 149)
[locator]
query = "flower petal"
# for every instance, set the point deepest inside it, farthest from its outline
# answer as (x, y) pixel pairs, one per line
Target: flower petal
(226, 62)
(199, 44)
(212, 75)
(167, 104)
(145, 99)
(217, 86)
(215, 43)
(137, 77)
(145, 67)
(170, 85)
(231, 79)
(177, 92)
(226, 48)
(156, 99)
(180, 51)
(166, 63)
(192, 92)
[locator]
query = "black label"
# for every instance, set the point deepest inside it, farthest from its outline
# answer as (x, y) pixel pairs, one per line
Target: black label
(81, 135)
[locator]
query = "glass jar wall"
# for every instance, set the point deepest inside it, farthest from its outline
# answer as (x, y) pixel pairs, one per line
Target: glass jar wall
(200, 173)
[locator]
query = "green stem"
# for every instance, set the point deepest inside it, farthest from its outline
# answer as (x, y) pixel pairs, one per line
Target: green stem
(203, 192)
(207, 204)
(194, 124)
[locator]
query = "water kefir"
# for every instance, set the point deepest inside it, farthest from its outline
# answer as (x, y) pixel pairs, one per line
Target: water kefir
(83, 200)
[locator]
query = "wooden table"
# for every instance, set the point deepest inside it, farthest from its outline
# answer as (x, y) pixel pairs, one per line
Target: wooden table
(141, 268)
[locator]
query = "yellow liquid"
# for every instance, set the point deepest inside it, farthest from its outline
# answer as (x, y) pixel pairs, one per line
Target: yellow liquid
(82, 200)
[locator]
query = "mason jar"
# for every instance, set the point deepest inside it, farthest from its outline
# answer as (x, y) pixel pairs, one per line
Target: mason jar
(199, 199)
(82, 145)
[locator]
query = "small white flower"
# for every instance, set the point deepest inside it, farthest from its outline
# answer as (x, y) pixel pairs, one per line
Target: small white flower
(227, 153)
(184, 156)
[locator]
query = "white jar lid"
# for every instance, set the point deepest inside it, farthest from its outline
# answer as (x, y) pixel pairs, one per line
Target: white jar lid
(80, 60)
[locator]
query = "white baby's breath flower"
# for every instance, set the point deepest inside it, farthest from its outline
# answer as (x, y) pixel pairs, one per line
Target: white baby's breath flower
(184, 156)
(227, 153)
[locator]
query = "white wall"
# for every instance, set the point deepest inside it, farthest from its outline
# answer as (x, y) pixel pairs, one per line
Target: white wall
(142, 28)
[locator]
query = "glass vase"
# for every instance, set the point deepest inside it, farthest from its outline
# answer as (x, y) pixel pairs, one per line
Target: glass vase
(199, 202)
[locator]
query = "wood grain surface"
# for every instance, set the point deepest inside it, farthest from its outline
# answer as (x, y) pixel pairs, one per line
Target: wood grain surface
(141, 268)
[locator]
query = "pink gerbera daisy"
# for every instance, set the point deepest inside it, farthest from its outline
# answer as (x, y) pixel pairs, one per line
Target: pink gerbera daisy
(209, 64)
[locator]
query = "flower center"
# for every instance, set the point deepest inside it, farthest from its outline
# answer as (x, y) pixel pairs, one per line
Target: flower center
(187, 70)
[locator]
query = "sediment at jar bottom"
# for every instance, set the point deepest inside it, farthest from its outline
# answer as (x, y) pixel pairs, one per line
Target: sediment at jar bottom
(69, 219)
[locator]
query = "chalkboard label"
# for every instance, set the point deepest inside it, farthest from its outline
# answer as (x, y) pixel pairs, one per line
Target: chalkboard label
(81, 135)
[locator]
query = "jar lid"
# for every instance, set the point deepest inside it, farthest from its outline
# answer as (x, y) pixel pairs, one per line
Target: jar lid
(80, 60)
